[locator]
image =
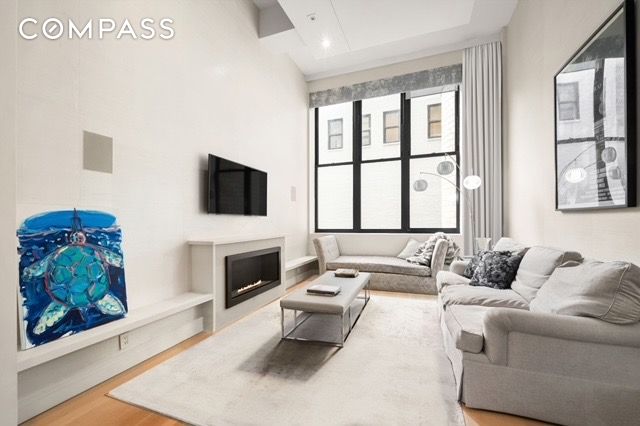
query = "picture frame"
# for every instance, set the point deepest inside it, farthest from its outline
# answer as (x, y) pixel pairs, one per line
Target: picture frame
(594, 119)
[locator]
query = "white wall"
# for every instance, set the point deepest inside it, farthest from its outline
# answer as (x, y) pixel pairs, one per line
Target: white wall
(541, 37)
(211, 89)
(8, 258)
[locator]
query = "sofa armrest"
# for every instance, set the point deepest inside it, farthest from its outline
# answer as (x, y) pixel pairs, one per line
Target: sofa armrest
(458, 266)
(438, 257)
(327, 250)
(499, 323)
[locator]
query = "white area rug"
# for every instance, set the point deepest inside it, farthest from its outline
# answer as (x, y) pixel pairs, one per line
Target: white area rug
(392, 371)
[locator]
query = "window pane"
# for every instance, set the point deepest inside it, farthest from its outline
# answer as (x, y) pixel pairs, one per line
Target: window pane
(366, 122)
(392, 135)
(335, 142)
(392, 118)
(366, 138)
(381, 204)
(335, 126)
(335, 197)
(436, 206)
(374, 109)
(567, 111)
(434, 112)
(568, 92)
(337, 119)
(426, 139)
(435, 129)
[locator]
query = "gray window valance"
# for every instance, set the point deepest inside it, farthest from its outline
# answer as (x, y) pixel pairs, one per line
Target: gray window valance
(428, 79)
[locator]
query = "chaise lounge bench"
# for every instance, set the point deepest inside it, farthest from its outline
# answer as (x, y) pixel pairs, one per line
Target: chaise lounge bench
(387, 273)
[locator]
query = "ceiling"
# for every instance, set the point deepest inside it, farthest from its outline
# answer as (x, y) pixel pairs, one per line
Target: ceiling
(330, 37)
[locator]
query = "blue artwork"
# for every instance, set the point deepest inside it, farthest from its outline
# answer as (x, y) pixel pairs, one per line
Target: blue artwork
(71, 274)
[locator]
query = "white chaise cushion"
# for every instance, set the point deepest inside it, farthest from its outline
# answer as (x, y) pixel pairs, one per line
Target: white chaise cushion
(384, 264)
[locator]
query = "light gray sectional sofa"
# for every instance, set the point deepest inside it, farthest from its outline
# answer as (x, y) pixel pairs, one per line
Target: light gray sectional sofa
(562, 346)
(387, 273)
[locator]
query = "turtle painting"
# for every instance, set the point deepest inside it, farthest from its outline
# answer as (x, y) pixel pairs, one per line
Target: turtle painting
(71, 274)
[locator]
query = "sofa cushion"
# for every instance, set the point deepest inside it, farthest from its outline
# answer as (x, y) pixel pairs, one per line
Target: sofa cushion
(508, 244)
(537, 266)
(386, 264)
(609, 291)
(496, 269)
(447, 278)
(481, 296)
(465, 326)
(410, 249)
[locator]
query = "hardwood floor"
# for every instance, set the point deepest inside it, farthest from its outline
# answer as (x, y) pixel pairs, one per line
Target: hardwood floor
(95, 408)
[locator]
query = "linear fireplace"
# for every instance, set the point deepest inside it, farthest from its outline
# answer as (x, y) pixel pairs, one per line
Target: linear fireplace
(249, 274)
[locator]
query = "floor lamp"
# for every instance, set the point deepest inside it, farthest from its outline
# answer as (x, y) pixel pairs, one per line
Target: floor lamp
(470, 183)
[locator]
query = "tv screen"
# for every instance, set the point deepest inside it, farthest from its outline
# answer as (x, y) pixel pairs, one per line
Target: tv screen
(236, 189)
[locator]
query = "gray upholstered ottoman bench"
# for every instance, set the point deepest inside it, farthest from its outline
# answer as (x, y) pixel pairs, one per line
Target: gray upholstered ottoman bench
(339, 306)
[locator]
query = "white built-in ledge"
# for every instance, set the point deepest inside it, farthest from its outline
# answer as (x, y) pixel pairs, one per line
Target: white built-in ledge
(301, 261)
(136, 318)
(215, 241)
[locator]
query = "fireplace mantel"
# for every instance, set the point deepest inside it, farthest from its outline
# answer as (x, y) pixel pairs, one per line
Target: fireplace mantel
(234, 239)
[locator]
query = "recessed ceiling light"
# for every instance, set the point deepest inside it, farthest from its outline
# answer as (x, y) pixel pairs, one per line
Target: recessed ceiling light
(326, 43)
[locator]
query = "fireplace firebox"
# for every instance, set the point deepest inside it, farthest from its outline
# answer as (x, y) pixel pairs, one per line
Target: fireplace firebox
(249, 274)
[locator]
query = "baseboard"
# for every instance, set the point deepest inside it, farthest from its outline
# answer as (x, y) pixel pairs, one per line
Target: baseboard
(47, 385)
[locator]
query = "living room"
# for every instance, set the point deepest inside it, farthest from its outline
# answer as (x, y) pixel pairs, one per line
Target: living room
(179, 178)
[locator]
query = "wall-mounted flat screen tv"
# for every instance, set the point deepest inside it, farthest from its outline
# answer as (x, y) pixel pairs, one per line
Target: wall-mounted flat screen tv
(236, 189)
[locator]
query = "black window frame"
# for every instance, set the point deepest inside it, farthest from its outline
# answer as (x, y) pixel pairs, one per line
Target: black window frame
(368, 131)
(430, 121)
(575, 102)
(405, 163)
(330, 135)
(385, 127)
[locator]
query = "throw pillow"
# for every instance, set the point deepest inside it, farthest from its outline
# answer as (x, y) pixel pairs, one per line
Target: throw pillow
(410, 249)
(425, 251)
(496, 269)
(537, 266)
(473, 264)
(609, 291)
(509, 244)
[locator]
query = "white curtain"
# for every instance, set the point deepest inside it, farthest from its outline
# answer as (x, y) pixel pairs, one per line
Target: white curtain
(482, 139)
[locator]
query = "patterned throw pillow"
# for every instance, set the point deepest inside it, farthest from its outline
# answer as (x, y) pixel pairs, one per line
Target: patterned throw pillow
(473, 264)
(496, 269)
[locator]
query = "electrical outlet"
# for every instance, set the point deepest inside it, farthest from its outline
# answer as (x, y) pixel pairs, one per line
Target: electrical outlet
(124, 341)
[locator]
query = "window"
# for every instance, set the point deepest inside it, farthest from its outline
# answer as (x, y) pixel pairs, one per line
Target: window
(372, 189)
(434, 120)
(366, 130)
(568, 101)
(391, 122)
(335, 134)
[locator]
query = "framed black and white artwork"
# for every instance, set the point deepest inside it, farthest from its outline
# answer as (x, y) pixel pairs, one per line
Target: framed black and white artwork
(595, 133)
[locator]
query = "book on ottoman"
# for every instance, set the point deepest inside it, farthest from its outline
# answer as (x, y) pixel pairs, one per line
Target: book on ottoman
(324, 290)
(346, 273)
